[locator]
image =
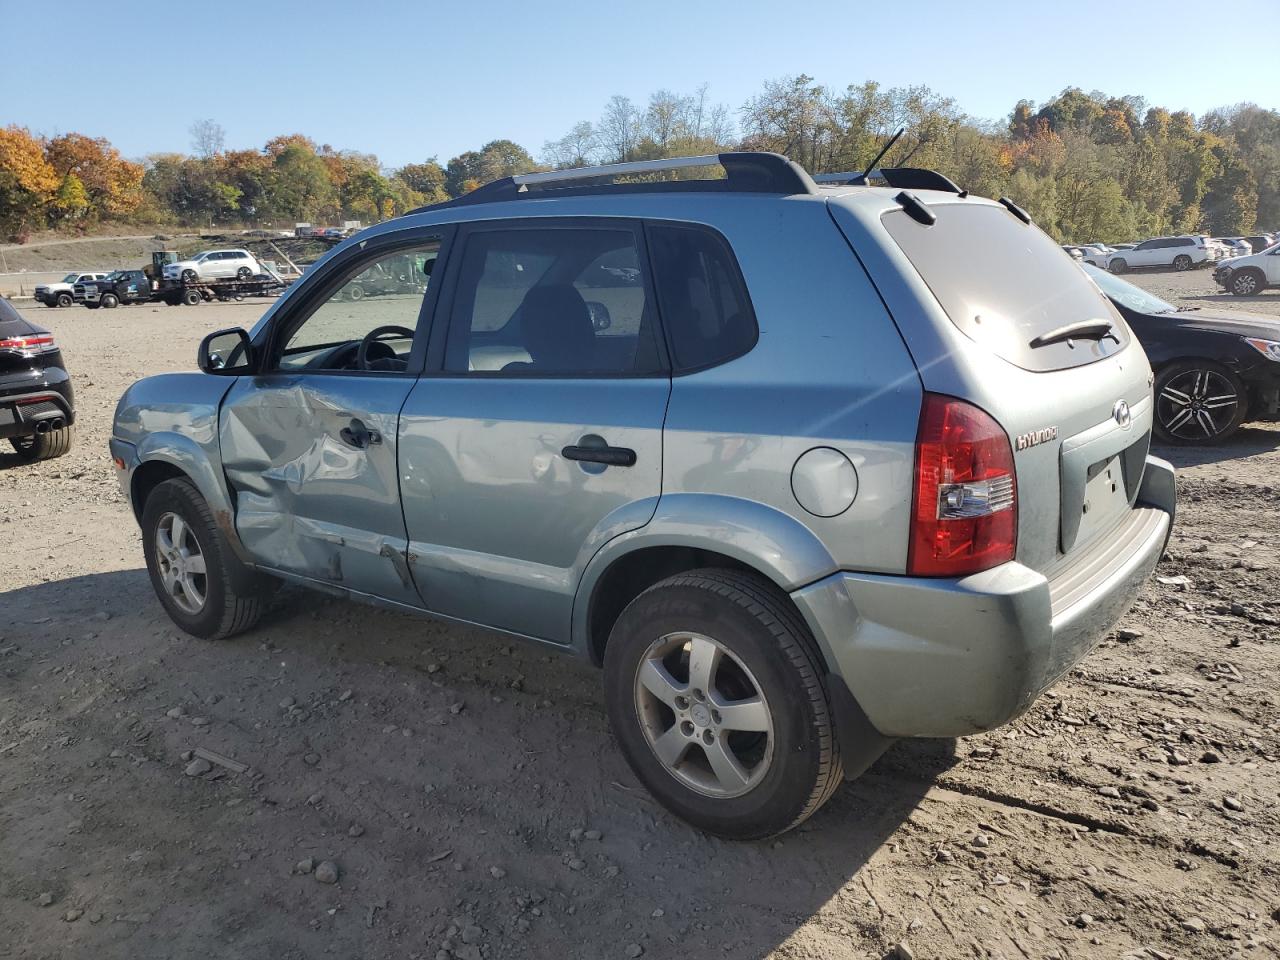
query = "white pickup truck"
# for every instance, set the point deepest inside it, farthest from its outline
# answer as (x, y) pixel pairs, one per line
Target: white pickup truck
(61, 294)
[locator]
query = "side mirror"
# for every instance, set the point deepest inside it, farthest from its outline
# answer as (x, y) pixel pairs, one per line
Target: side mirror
(226, 353)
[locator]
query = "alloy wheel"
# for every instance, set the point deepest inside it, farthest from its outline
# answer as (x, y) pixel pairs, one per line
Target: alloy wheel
(704, 715)
(1245, 284)
(181, 563)
(1197, 405)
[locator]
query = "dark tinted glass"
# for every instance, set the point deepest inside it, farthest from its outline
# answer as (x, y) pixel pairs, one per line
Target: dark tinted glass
(1010, 285)
(561, 302)
(705, 309)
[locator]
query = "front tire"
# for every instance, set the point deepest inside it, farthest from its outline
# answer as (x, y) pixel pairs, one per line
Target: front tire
(109, 301)
(1182, 263)
(44, 446)
(715, 694)
(1246, 283)
(1198, 402)
(203, 586)
(65, 300)
(190, 276)
(1118, 266)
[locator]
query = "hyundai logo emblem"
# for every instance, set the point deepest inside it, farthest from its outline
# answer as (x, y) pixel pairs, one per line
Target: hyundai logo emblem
(1121, 414)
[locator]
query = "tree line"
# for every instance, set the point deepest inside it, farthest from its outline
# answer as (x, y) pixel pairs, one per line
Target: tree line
(1087, 166)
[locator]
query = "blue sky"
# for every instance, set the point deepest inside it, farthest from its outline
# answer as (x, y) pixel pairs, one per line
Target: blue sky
(409, 80)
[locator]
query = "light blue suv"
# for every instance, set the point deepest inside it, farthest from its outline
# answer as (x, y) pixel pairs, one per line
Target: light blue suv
(805, 468)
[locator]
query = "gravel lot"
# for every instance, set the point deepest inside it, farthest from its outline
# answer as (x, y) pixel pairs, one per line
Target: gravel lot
(470, 799)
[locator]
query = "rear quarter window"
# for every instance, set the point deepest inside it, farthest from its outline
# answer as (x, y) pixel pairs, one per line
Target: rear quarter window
(1004, 283)
(705, 309)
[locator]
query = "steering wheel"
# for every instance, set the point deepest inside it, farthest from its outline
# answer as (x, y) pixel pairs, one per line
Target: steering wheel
(375, 335)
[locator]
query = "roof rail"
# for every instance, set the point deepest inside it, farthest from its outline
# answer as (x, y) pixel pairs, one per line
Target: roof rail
(906, 178)
(745, 172)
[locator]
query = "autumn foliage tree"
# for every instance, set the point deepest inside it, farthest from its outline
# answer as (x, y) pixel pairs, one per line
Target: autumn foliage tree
(1086, 165)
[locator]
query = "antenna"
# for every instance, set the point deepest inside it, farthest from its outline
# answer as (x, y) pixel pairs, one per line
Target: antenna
(862, 178)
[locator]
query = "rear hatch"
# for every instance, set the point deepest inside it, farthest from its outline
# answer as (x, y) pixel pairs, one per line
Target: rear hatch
(1007, 321)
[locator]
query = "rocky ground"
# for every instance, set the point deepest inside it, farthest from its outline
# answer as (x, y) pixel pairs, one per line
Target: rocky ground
(353, 783)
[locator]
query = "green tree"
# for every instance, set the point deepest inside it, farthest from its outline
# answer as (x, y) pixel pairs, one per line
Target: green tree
(426, 179)
(71, 201)
(298, 184)
(495, 160)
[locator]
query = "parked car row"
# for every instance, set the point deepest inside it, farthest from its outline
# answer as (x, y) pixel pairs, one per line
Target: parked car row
(1164, 253)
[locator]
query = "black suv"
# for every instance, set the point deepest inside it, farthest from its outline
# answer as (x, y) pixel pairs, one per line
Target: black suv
(36, 406)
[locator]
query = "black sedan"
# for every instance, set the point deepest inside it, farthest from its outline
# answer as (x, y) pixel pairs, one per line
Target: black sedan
(36, 406)
(1215, 369)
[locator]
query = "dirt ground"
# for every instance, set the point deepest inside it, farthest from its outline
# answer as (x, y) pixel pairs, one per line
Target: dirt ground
(474, 806)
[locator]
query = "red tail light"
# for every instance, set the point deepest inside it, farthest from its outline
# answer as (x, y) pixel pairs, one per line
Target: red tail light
(30, 345)
(965, 514)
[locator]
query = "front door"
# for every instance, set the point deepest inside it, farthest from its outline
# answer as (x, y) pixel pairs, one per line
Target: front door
(309, 444)
(1272, 262)
(541, 437)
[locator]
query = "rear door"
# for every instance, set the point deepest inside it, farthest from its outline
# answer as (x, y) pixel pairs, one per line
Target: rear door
(539, 435)
(310, 444)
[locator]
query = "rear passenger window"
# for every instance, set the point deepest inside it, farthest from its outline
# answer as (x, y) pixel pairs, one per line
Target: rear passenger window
(561, 302)
(705, 309)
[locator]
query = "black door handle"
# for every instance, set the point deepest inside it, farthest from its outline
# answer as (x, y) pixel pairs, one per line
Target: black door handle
(610, 456)
(357, 435)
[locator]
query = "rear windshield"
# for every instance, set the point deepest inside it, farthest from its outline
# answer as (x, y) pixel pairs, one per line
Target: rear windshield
(1004, 283)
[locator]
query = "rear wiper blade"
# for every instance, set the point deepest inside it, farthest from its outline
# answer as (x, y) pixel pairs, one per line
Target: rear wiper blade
(1085, 329)
(1186, 309)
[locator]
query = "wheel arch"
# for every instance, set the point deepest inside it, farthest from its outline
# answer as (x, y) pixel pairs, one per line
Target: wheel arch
(173, 456)
(689, 531)
(1254, 270)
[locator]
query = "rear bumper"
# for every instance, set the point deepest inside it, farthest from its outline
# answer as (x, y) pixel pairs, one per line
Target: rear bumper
(946, 658)
(46, 408)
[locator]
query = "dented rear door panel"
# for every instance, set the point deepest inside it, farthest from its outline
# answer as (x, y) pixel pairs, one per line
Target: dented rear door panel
(308, 502)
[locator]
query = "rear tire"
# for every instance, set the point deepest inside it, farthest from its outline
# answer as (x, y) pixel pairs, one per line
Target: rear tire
(244, 273)
(1118, 266)
(1246, 283)
(44, 446)
(65, 300)
(1198, 402)
(1181, 262)
(201, 583)
(715, 694)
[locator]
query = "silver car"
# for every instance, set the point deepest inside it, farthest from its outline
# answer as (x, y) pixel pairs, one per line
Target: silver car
(804, 468)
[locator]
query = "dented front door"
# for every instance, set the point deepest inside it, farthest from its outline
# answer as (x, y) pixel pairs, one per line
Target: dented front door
(311, 458)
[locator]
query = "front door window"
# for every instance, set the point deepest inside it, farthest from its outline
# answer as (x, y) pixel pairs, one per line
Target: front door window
(369, 321)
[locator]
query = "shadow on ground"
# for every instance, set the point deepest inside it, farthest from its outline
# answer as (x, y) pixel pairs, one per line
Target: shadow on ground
(1245, 442)
(448, 773)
